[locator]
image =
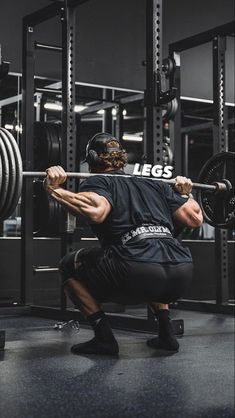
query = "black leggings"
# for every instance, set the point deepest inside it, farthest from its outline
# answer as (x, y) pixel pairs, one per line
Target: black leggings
(112, 279)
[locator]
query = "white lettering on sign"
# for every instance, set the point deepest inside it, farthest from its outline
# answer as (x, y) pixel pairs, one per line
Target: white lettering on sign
(137, 171)
(146, 170)
(157, 170)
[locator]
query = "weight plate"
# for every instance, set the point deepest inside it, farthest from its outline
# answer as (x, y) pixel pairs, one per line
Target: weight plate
(168, 66)
(7, 209)
(18, 176)
(57, 129)
(47, 145)
(167, 155)
(46, 212)
(5, 177)
(55, 156)
(171, 109)
(0, 172)
(42, 146)
(49, 137)
(218, 208)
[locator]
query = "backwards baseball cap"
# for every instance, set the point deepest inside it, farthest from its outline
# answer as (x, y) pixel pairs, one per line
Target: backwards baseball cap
(98, 145)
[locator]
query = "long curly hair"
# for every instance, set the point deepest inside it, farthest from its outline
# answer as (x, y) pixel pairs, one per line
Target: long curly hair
(115, 160)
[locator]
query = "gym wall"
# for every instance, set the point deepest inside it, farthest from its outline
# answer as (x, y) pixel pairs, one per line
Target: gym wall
(111, 41)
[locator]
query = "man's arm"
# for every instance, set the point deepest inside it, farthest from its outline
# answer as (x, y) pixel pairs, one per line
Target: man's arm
(89, 204)
(189, 214)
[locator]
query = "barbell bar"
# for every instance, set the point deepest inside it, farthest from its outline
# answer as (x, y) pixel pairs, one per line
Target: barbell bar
(218, 186)
(216, 190)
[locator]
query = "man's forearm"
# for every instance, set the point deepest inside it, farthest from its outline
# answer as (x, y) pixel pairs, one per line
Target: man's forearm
(66, 199)
(90, 205)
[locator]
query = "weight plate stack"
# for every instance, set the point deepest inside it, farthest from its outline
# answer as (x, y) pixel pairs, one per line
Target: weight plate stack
(16, 176)
(47, 145)
(219, 208)
(46, 212)
(11, 174)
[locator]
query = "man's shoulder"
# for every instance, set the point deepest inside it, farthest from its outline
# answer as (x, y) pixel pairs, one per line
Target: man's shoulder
(95, 181)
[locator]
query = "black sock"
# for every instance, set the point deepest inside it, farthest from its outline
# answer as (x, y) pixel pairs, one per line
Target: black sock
(104, 341)
(101, 327)
(166, 337)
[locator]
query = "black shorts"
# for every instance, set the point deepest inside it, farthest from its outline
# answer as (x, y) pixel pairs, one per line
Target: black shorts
(112, 279)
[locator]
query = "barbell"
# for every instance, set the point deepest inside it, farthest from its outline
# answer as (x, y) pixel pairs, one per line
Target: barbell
(216, 192)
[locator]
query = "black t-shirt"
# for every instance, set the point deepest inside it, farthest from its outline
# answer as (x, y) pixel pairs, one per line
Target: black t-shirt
(137, 201)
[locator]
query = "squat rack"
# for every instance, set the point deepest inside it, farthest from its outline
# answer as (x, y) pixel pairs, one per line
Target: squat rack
(154, 144)
(66, 12)
(217, 37)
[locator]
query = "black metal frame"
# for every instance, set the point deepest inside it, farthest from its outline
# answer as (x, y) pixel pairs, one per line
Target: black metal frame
(66, 12)
(154, 144)
(217, 36)
(153, 114)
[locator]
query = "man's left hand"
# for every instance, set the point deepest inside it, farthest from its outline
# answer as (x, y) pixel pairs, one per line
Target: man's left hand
(183, 185)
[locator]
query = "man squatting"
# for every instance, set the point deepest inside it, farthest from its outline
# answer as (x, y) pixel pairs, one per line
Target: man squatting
(138, 260)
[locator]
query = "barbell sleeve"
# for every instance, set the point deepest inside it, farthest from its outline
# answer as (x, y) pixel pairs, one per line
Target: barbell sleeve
(212, 187)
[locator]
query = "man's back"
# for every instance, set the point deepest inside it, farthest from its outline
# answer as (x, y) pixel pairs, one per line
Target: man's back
(137, 202)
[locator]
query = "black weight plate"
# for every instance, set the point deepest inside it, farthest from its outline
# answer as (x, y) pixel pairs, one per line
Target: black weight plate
(7, 210)
(53, 222)
(54, 141)
(40, 208)
(5, 175)
(46, 220)
(56, 146)
(59, 132)
(0, 173)
(42, 146)
(47, 145)
(218, 208)
(9, 175)
(19, 174)
(49, 138)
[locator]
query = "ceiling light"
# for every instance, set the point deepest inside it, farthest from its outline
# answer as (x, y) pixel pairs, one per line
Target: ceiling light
(57, 106)
(53, 106)
(79, 108)
(8, 126)
(132, 137)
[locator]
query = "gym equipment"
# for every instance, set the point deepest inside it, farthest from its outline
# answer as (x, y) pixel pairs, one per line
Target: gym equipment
(171, 110)
(167, 154)
(46, 214)
(220, 211)
(47, 145)
(218, 208)
(168, 66)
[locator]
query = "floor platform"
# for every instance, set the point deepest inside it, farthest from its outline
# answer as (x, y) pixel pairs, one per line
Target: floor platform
(40, 378)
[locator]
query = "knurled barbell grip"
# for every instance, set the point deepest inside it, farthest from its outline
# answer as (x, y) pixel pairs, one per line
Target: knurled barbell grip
(222, 187)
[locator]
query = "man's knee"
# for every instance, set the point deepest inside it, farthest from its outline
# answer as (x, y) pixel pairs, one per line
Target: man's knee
(66, 267)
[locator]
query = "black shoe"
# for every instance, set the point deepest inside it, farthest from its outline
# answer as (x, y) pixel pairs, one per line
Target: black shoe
(168, 345)
(96, 346)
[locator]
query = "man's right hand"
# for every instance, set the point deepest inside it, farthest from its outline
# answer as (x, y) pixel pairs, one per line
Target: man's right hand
(183, 185)
(56, 176)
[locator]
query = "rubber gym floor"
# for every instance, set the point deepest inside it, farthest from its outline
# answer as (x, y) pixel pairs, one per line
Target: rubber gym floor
(40, 378)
